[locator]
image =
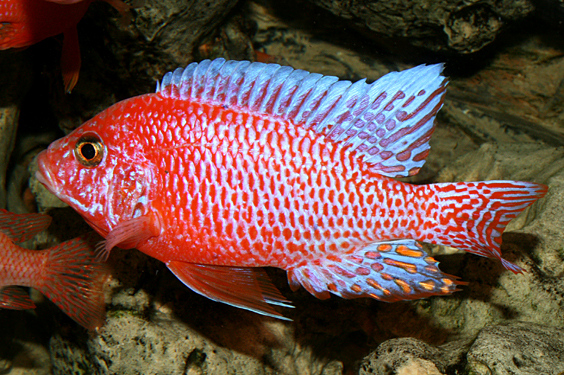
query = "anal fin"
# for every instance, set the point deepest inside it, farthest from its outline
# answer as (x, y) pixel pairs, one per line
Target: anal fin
(388, 271)
(15, 298)
(243, 287)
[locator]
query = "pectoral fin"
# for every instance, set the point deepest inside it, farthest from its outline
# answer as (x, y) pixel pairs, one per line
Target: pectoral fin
(129, 234)
(243, 287)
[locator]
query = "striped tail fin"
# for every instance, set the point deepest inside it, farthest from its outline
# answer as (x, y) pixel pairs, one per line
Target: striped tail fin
(74, 281)
(472, 216)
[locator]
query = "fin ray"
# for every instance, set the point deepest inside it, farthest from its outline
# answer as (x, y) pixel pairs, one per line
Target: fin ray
(387, 271)
(22, 227)
(388, 123)
(74, 281)
(243, 287)
(472, 215)
(15, 298)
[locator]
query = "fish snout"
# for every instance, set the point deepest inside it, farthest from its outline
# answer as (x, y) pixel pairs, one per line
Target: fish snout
(44, 174)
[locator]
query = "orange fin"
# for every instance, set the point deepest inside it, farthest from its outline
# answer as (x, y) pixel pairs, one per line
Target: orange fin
(387, 271)
(70, 59)
(15, 298)
(74, 281)
(244, 287)
(129, 234)
(22, 227)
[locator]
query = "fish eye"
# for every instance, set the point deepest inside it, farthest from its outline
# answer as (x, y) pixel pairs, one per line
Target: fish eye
(89, 151)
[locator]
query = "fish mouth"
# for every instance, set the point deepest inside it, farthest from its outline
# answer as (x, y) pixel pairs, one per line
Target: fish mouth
(44, 175)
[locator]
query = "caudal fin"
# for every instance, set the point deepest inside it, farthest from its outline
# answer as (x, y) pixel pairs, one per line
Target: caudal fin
(74, 281)
(472, 216)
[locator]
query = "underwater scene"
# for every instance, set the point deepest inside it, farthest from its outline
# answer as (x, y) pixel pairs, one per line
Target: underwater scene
(281, 187)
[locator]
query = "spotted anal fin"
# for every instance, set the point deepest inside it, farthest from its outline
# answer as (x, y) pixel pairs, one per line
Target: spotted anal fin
(15, 298)
(22, 227)
(70, 58)
(387, 271)
(388, 123)
(129, 234)
(243, 287)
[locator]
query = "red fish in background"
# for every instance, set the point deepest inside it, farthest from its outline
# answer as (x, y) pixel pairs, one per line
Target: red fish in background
(68, 274)
(233, 165)
(26, 22)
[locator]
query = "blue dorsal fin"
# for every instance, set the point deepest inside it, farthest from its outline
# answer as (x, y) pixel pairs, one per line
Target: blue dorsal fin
(387, 123)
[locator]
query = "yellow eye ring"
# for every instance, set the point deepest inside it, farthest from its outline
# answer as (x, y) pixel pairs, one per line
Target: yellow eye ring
(89, 151)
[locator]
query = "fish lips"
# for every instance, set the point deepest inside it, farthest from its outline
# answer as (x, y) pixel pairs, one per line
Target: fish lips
(44, 174)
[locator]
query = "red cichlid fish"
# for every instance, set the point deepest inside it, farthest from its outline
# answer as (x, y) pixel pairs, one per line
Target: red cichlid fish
(26, 22)
(231, 166)
(69, 274)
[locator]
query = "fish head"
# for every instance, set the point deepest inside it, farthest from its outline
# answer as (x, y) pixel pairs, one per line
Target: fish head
(99, 171)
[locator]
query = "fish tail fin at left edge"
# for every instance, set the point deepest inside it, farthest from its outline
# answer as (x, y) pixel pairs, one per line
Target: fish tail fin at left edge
(472, 216)
(387, 271)
(74, 281)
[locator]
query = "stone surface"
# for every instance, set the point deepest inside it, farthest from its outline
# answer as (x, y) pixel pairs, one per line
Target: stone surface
(460, 26)
(14, 81)
(517, 348)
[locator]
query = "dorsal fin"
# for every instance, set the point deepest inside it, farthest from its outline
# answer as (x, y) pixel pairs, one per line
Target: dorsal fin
(388, 122)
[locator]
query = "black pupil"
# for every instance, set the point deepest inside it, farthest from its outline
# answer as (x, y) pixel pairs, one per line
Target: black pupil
(88, 151)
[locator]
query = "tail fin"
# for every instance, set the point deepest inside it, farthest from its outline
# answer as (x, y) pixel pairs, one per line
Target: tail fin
(74, 281)
(472, 216)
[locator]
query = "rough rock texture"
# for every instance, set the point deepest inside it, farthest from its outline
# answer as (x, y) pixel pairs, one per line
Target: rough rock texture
(517, 348)
(14, 81)
(411, 356)
(460, 26)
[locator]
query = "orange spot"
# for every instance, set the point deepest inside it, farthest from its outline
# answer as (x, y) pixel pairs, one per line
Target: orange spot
(334, 258)
(430, 260)
(384, 247)
(253, 233)
(276, 231)
(333, 247)
(386, 276)
(427, 285)
(377, 267)
(411, 268)
(356, 288)
(447, 282)
(332, 287)
(362, 271)
(404, 250)
(345, 245)
(372, 255)
(432, 269)
(445, 290)
(287, 233)
(403, 285)
(374, 296)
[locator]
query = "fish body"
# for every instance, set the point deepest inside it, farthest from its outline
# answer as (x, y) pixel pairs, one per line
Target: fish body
(69, 274)
(231, 166)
